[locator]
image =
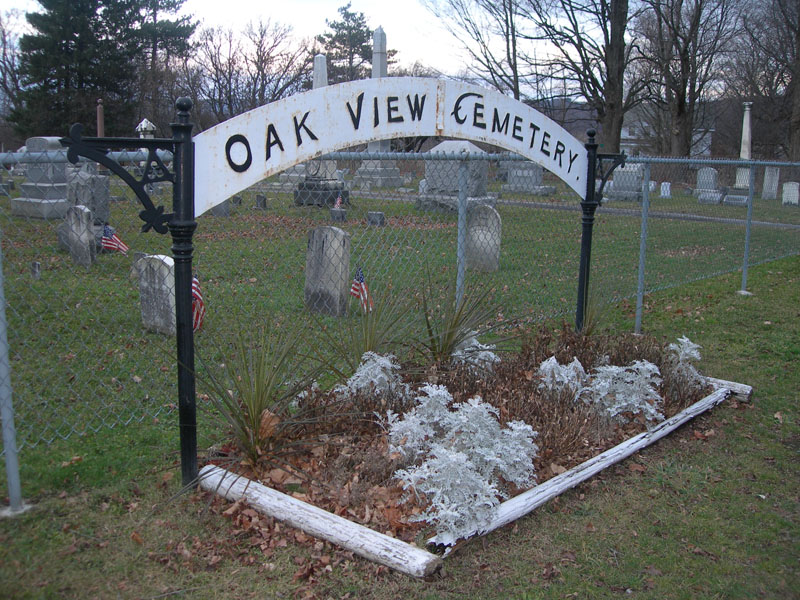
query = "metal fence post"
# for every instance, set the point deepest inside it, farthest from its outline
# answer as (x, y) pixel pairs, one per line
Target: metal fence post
(182, 228)
(637, 328)
(463, 177)
(750, 192)
(588, 206)
(7, 408)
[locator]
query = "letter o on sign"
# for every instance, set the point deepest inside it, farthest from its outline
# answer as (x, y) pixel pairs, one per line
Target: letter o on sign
(240, 167)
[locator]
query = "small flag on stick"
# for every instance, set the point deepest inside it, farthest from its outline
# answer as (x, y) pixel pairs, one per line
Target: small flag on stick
(198, 306)
(110, 241)
(360, 290)
(338, 203)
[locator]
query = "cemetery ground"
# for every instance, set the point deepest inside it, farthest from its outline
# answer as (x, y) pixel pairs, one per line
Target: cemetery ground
(710, 510)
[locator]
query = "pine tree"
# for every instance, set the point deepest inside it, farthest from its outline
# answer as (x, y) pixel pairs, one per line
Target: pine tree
(82, 50)
(348, 47)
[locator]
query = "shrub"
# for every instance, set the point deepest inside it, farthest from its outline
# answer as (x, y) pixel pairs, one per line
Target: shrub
(466, 456)
(620, 390)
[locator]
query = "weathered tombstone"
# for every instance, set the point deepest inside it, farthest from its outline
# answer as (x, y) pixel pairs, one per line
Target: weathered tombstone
(484, 229)
(338, 215)
(742, 182)
(707, 190)
(327, 287)
(378, 173)
(377, 219)
(770, 189)
(261, 202)
(91, 191)
(44, 193)
(442, 179)
(80, 236)
(156, 274)
(627, 183)
(36, 269)
(221, 210)
(666, 190)
(526, 178)
(791, 193)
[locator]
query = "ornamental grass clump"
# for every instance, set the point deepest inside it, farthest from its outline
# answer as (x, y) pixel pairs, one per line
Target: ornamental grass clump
(463, 460)
(256, 394)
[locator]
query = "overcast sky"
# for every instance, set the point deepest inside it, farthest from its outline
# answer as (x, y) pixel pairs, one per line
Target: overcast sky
(410, 28)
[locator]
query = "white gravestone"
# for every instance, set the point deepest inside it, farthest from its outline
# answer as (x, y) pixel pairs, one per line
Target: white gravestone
(526, 178)
(484, 231)
(92, 191)
(707, 190)
(627, 183)
(791, 193)
(770, 189)
(378, 173)
(666, 191)
(44, 194)
(327, 286)
(156, 274)
(80, 235)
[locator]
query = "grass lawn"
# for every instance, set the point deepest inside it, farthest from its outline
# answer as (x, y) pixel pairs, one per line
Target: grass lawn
(709, 512)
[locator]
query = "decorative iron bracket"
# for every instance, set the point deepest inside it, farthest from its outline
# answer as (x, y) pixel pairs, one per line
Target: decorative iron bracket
(617, 160)
(155, 170)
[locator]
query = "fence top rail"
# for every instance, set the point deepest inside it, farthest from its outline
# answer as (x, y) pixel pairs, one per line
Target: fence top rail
(737, 162)
(346, 155)
(8, 159)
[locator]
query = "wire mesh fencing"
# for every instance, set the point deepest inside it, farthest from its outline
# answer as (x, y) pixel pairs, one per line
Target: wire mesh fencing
(91, 328)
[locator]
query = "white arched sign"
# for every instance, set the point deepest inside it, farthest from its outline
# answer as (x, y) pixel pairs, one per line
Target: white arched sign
(242, 151)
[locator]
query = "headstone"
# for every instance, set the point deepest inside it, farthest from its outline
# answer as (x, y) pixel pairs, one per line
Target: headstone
(442, 175)
(707, 190)
(36, 269)
(157, 293)
(327, 287)
(627, 184)
(221, 210)
(743, 173)
(484, 229)
(526, 178)
(666, 191)
(338, 215)
(44, 193)
(791, 193)
(91, 191)
(377, 219)
(378, 173)
(261, 202)
(80, 236)
(321, 192)
(770, 189)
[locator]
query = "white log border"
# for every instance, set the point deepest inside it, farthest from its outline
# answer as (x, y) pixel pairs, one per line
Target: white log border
(521, 505)
(414, 561)
(322, 524)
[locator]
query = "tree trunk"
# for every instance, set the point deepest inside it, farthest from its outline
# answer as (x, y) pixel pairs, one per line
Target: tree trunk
(611, 120)
(794, 123)
(681, 131)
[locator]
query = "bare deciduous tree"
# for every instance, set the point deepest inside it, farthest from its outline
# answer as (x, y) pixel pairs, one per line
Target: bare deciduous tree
(685, 41)
(242, 73)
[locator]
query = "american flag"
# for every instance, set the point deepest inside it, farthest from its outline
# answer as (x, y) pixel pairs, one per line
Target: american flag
(198, 306)
(360, 290)
(338, 203)
(110, 241)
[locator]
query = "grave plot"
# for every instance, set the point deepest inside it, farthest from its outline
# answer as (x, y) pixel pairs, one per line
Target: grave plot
(407, 464)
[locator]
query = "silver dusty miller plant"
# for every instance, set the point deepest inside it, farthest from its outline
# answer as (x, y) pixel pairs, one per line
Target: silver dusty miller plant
(376, 374)
(464, 453)
(681, 356)
(618, 390)
(556, 377)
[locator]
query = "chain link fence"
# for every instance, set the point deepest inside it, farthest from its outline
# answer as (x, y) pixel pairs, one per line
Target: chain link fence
(89, 327)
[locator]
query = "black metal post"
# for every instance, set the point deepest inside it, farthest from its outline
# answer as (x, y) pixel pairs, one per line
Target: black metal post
(181, 227)
(589, 206)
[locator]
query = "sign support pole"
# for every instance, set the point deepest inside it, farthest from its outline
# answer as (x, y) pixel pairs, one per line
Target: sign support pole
(182, 227)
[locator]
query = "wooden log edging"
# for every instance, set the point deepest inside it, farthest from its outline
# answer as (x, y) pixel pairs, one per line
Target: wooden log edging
(739, 391)
(521, 505)
(322, 524)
